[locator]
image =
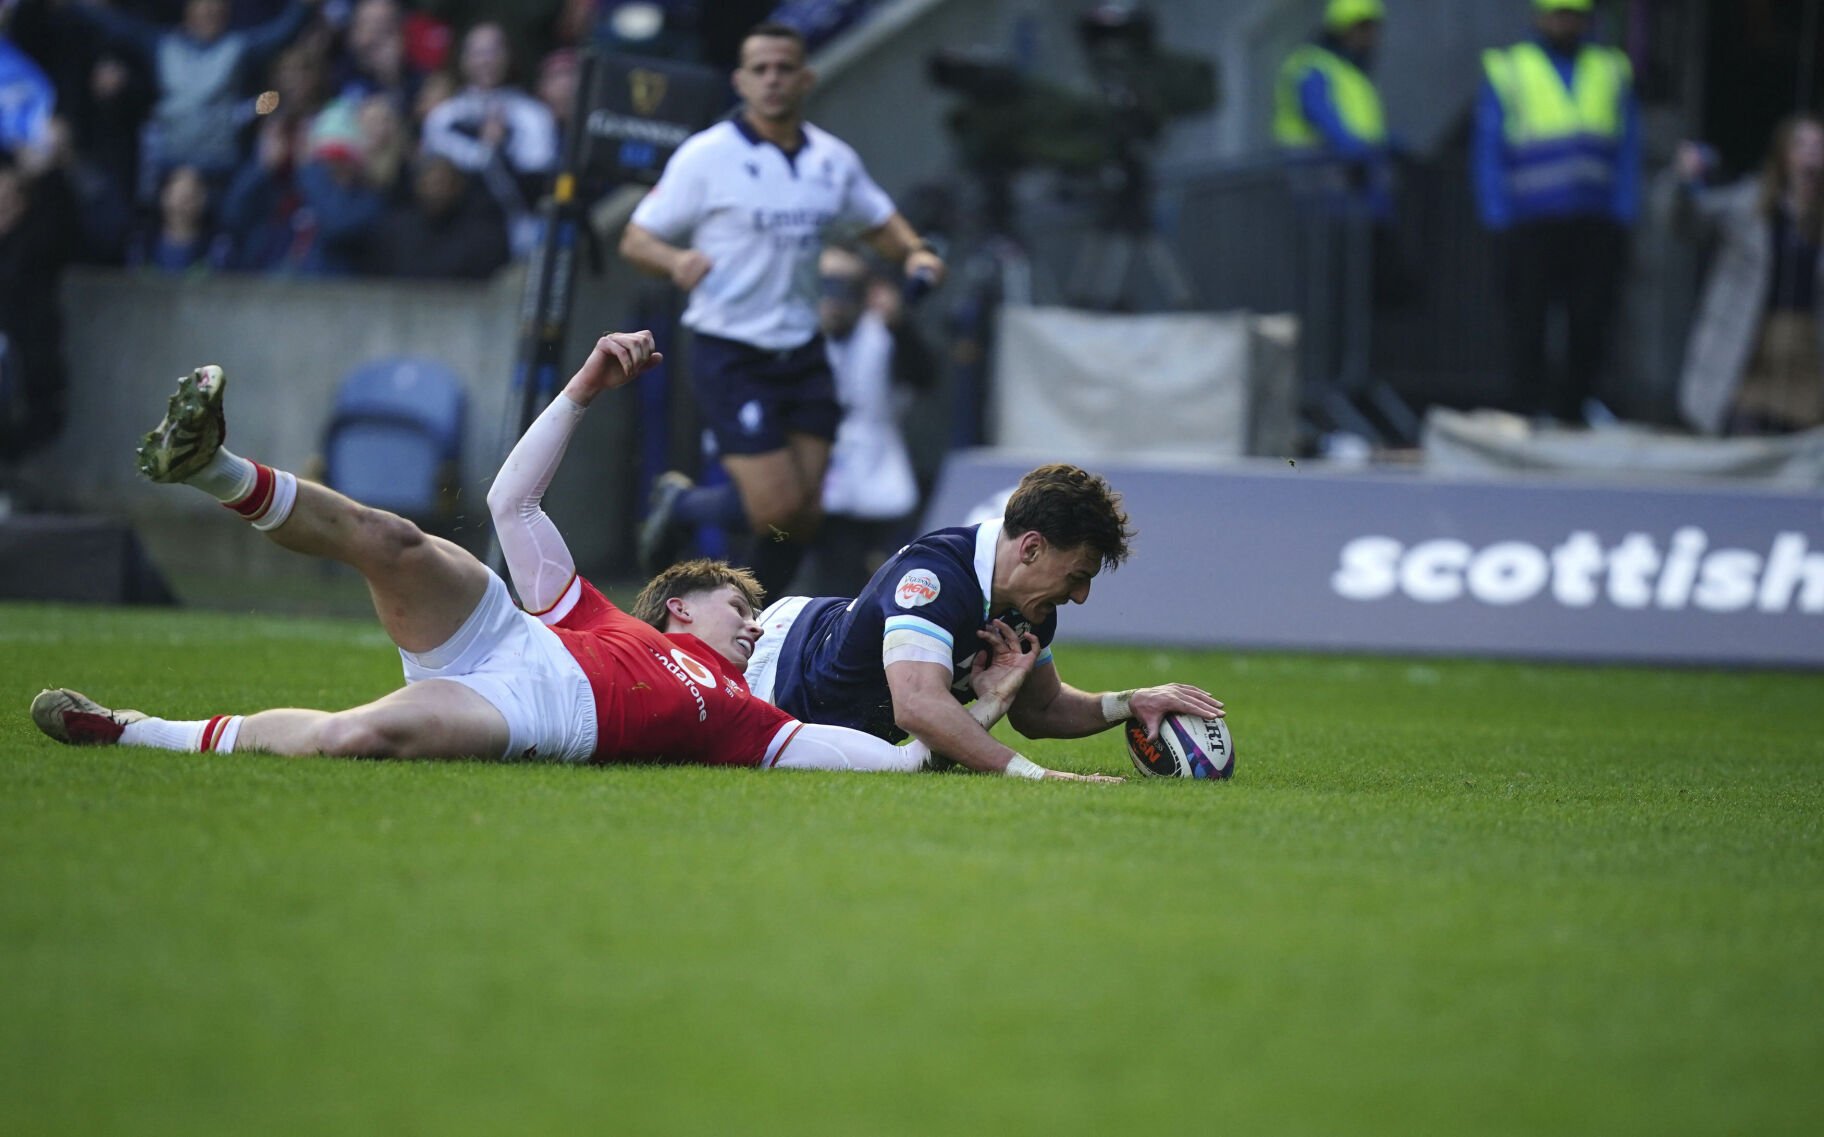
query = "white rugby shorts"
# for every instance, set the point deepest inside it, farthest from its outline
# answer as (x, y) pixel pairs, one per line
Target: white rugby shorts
(520, 667)
(774, 623)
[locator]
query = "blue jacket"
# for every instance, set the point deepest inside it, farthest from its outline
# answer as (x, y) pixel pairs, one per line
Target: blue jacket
(1501, 208)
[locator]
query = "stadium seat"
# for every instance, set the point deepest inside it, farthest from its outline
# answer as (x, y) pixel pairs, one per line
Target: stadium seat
(394, 439)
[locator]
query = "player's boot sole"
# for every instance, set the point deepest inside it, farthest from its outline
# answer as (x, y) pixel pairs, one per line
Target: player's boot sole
(192, 430)
(661, 537)
(73, 718)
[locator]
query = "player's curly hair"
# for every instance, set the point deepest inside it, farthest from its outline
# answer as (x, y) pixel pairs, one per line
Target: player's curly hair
(686, 577)
(1072, 509)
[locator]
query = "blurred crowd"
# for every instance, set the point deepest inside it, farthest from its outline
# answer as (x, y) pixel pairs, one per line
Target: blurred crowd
(311, 137)
(308, 137)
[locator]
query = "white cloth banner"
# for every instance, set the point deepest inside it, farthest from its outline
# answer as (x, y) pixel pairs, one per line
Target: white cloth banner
(1492, 442)
(1179, 385)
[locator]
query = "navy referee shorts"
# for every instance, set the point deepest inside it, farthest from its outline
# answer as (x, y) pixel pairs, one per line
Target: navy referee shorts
(751, 398)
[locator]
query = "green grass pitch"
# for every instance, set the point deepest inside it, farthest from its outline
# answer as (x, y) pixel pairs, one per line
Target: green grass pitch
(1440, 897)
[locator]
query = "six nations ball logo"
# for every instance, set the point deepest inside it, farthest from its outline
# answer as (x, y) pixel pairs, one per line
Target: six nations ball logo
(916, 587)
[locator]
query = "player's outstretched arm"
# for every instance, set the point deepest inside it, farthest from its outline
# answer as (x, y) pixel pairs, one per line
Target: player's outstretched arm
(617, 359)
(925, 708)
(1047, 707)
(537, 557)
(996, 676)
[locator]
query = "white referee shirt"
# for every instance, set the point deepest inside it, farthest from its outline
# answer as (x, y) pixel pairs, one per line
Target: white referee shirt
(761, 218)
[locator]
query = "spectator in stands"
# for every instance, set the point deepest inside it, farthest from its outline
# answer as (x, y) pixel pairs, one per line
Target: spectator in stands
(870, 490)
(102, 205)
(260, 206)
(27, 98)
(182, 235)
(35, 220)
(436, 89)
(386, 148)
(199, 67)
(496, 132)
(1557, 162)
(105, 96)
(1753, 363)
(300, 78)
(107, 118)
(374, 59)
(558, 74)
(308, 214)
(448, 230)
(529, 28)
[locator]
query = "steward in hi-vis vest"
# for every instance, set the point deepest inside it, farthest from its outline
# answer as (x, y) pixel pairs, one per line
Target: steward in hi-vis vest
(1557, 168)
(1327, 114)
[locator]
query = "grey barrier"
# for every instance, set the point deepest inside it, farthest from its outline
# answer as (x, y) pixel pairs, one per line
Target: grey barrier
(1258, 556)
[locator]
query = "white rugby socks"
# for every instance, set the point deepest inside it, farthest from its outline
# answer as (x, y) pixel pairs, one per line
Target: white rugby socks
(208, 736)
(261, 494)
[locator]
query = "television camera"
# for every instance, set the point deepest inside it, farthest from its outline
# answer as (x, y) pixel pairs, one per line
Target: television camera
(1098, 139)
(1009, 121)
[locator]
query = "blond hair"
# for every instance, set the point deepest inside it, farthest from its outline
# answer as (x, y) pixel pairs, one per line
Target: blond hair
(686, 577)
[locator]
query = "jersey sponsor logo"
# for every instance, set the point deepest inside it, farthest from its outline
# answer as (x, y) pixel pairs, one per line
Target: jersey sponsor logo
(676, 668)
(694, 667)
(916, 588)
(752, 416)
(791, 230)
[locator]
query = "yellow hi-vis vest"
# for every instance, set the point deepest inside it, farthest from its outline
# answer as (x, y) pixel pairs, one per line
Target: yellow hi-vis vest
(1558, 137)
(1358, 104)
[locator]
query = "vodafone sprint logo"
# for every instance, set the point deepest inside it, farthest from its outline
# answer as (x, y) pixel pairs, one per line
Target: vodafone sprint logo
(1640, 571)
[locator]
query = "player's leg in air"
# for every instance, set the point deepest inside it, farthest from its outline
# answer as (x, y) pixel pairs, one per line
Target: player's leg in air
(427, 592)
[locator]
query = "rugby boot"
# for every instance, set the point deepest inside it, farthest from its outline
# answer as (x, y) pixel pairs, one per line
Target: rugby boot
(72, 717)
(192, 430)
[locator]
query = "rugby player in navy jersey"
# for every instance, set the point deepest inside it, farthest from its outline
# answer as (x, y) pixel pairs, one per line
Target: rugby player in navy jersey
(738, 219)
(894, 661)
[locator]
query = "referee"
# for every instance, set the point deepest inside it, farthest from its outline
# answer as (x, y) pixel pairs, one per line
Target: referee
(738, 220)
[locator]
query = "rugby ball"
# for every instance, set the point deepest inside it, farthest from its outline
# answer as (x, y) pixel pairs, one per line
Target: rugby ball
(1187, 747)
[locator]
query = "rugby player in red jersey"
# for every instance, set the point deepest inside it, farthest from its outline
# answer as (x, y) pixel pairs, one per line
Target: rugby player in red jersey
(584, 682)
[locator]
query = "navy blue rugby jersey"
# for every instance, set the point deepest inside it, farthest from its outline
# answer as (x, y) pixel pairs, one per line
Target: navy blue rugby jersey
(927, 603)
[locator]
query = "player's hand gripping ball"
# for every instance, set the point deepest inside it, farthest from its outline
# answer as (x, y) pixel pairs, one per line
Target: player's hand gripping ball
(1187, 747)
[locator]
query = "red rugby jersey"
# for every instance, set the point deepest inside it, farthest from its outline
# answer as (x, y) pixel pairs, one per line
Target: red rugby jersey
(665, 698)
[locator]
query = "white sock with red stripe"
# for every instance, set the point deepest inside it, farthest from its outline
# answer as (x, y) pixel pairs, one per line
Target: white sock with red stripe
(258, 493)
(209, 736)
